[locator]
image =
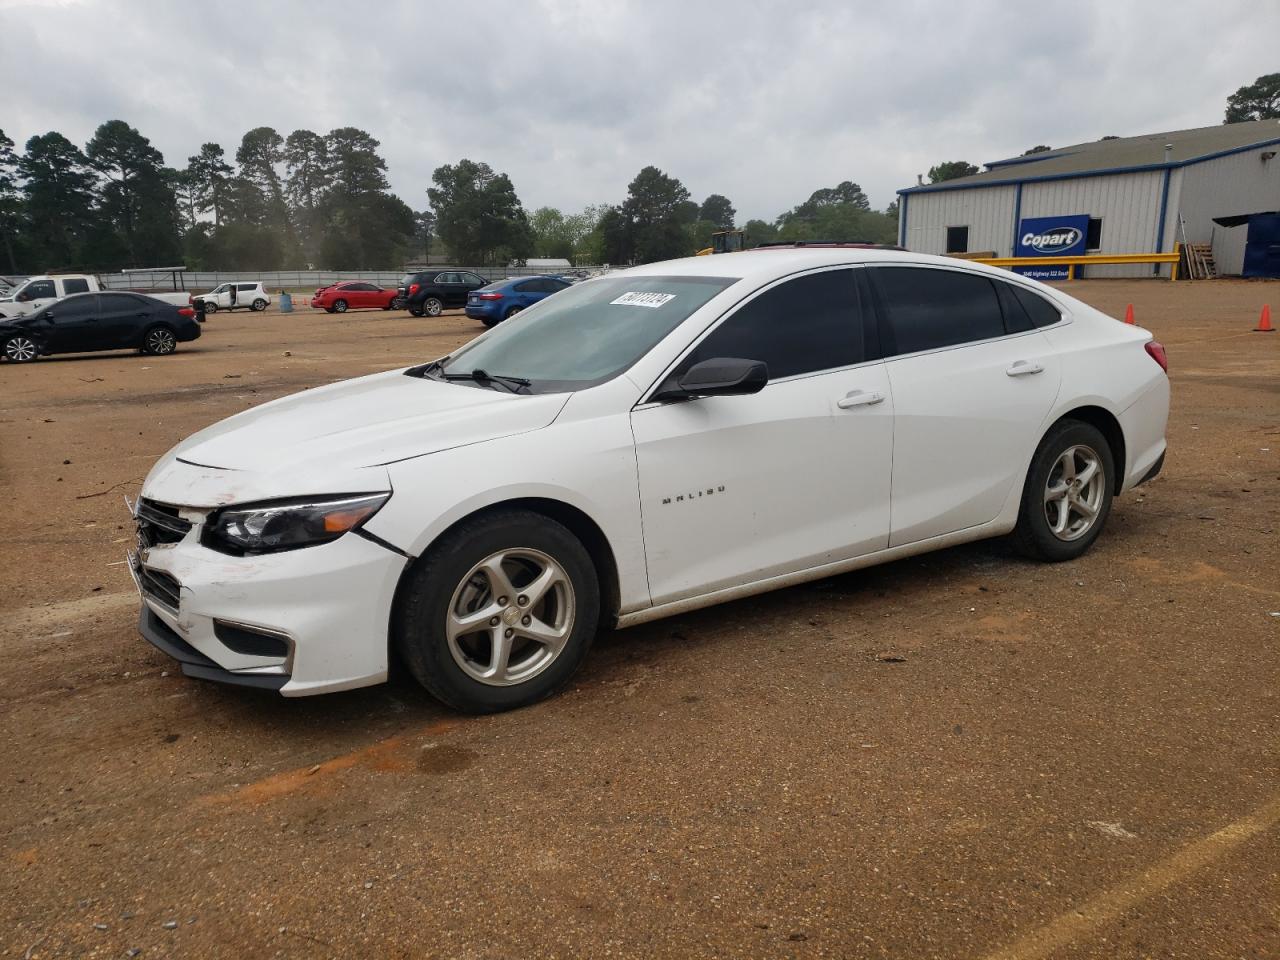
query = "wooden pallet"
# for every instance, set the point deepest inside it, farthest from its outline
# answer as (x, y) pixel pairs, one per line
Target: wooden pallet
(1200, 262)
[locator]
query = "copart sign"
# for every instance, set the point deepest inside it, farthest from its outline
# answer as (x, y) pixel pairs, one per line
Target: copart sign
(1048, 237)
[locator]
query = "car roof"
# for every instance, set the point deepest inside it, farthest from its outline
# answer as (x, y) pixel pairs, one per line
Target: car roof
(763, 265)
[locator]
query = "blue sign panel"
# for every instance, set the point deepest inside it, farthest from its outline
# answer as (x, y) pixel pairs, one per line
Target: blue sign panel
(1048, 237)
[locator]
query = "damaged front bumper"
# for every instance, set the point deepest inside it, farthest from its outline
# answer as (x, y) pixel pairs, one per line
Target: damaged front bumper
(312, 620)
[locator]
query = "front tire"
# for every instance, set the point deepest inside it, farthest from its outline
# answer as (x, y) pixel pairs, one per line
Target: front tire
(21, 349)
(209, 308)
(159, 341)
(1067, 497)
(499, 613)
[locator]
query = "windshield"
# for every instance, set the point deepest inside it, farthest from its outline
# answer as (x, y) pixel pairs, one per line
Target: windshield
(588, 333)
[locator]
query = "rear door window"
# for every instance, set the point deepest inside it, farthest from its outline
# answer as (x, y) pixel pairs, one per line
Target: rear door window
(928, 309)
(804, 325)
(1041, 311)
(75, 285)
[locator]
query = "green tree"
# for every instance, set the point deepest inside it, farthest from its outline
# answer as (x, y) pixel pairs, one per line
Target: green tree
(1259, 100)
(210, 175)
(951, 170)
(308, 178)
(1038, 148)
(58, 199)
(478, 215)
(551, 236)
(657, 210)
(136, 199)
(759, 231)
(10, 202)
(260, 157)
(717, 210)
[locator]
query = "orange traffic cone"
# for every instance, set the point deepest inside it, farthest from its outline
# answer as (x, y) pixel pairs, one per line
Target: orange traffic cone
(1128, 314)
(1264, 322)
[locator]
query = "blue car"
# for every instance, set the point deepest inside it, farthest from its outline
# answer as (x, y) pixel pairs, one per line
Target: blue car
(504, 298)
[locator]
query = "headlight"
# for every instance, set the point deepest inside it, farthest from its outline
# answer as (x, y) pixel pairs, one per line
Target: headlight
(289, 524)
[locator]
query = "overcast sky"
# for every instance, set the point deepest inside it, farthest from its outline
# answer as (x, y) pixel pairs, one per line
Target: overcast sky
(763, 102)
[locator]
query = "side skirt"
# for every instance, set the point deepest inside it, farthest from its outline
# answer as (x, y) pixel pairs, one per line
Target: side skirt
(986, 531)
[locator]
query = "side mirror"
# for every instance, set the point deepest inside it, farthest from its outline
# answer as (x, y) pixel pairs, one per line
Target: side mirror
(717, 377)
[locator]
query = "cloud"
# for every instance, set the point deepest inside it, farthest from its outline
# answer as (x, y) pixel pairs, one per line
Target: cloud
(762, 102)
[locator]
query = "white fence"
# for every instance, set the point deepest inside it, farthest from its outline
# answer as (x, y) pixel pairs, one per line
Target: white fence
(203, 280)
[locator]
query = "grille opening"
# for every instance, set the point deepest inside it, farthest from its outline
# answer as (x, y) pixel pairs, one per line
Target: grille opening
(160, 523)
(249, 642)
(160, 587)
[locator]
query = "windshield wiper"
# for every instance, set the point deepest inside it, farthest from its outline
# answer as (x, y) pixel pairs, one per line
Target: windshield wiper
(514, 384)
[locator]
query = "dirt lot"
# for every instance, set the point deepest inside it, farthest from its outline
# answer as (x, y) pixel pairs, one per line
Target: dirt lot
(961, 755)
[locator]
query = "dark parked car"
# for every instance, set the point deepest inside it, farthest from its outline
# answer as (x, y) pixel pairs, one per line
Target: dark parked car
(98, 321)
(433, 291)
(504, 298)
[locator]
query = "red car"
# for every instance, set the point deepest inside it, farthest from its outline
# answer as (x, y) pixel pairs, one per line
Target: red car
(352, 295)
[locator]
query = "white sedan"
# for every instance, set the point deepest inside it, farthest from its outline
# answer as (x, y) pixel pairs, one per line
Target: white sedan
(642, 444)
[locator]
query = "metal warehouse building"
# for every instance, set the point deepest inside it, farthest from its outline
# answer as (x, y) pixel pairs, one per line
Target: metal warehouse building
(1127, 195)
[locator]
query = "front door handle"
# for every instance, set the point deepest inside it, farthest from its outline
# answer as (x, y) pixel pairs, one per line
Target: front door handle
(858, 398)
(1024, 368)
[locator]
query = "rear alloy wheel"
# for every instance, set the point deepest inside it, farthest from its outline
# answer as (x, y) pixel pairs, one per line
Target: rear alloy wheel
(159, 342)
(340, 306)
(512, 312)
(499, 613)
(20, 349)
(1067, 497)
(209, 307)
(259, 305)
(432, 306)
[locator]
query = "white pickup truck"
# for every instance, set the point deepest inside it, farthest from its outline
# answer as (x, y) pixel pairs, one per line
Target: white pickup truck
(36, 292)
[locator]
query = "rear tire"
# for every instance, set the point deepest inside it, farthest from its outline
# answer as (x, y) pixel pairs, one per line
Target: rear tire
(490, 321)
(1067, 497)
(433, 306)
(159, 341)
(340, 306)
(512, 312)
(20, 349)
(531, 622)
(259, 305)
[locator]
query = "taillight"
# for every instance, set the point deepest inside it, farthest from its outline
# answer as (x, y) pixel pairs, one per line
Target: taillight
(1156, 349)
(186, 312)
(488, 296)
(413, 288)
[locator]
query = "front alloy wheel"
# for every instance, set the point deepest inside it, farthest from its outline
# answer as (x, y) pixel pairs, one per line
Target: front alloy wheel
(499, 613)
(20, 349)
(510, 617)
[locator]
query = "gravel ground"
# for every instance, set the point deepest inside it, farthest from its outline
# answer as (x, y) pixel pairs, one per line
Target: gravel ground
(958, 755)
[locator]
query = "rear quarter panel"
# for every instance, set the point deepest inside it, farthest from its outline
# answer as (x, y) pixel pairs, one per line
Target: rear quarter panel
(1105, 364)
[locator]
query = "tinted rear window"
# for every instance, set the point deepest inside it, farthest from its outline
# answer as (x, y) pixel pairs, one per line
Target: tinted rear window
(75, 285)
(1042, 312)
(927, 309)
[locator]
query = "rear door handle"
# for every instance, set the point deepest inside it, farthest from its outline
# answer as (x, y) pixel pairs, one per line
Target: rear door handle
(1024, 368)
(858, 398)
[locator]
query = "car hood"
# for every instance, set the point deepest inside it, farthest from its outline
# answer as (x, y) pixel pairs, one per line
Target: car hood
(311, 441)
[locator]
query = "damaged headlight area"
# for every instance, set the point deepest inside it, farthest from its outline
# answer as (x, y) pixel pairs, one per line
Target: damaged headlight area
(277, 525)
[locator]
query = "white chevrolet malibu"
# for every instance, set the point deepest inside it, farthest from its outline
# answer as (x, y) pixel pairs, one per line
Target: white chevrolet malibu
(639, 445)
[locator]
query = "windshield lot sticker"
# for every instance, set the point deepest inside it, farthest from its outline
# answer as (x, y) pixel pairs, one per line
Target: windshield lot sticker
(653, 300)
